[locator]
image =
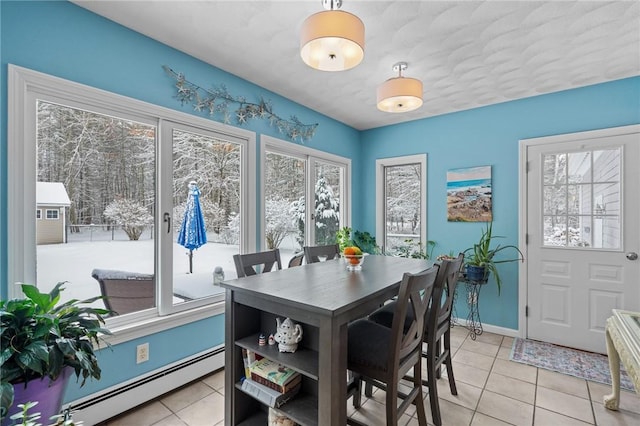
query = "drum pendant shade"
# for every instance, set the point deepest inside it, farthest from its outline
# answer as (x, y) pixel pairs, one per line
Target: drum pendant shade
(332, 40)
(399, 94)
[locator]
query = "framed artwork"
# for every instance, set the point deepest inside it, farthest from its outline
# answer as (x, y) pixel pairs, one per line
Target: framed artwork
(469, 194)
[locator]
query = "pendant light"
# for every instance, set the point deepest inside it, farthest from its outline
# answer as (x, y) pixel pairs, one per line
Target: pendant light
(332, 40)
(400, 94)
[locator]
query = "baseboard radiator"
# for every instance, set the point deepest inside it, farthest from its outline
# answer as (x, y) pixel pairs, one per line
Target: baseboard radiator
(100, 406)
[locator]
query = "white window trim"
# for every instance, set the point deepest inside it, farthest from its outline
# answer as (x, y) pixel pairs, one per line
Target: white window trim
(46, 215)
(381, 163)
(24, 87)
(38, 214)
(271, 144)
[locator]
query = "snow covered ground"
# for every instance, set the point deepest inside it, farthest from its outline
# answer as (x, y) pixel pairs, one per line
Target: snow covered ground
(74, 261)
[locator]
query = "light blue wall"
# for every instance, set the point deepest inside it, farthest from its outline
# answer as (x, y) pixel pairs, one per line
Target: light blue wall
(63, 40)
(489, 136)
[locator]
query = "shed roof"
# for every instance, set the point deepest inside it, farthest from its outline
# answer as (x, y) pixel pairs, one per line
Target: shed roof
(52, 194)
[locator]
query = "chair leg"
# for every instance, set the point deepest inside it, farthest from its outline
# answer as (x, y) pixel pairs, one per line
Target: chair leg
(438, 353)
(392, 404)
(419, 401)
(433, 388)
(357, 396)
(368, 389)
(449, 363)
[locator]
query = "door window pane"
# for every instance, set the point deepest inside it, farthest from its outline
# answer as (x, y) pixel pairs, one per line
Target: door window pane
(584, 210)
(100, 170)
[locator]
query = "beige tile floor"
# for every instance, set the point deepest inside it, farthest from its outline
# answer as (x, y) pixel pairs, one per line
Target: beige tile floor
(492, 391)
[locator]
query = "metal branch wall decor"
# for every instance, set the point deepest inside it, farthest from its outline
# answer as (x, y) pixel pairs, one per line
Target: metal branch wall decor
(217, 100)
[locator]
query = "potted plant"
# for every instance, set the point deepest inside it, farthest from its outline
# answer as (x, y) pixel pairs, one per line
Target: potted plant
(414, 250)
(43, 342)
(363, 240)
(479, 260)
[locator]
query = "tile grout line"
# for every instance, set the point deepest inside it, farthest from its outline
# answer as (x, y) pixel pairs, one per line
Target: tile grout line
(535, 398)
(593, 411)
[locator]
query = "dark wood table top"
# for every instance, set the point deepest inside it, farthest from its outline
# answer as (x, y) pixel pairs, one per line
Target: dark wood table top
(328, 288)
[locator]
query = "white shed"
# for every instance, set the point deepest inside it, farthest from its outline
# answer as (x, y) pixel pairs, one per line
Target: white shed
(51, 203)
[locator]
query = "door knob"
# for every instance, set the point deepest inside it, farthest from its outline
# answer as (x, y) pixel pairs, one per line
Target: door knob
(632, 256)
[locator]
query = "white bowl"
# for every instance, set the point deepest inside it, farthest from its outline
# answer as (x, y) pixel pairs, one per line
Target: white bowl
(354, 261)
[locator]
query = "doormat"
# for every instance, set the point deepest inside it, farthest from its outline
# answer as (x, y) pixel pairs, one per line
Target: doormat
(584, 365)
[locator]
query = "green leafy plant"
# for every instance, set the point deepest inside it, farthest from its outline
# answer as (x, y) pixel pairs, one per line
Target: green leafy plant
(363, 240)
(482, 254)
(415, 250)
(24, 417)
(40, 337)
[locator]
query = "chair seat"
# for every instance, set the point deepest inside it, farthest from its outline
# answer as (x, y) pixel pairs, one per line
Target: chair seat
(384, 315)
(368, 345)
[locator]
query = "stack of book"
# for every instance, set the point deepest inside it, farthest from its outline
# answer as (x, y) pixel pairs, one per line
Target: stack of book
(270, 382)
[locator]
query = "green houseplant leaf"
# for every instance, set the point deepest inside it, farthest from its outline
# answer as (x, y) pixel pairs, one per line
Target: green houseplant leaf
(40, 337)
(362, 239)
(483, 255)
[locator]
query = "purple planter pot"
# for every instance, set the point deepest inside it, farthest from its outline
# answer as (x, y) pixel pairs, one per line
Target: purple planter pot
(48, 394)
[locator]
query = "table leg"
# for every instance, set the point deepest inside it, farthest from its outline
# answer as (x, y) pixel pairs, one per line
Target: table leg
(613, 400)
(332, 372)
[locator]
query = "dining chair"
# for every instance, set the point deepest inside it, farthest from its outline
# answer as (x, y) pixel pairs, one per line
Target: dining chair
(314, 253)
(247, 264)
(296, 260)
(382, 356)
(124, 292)
(437, 330)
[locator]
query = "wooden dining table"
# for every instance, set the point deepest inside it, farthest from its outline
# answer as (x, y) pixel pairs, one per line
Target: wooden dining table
(323, 297)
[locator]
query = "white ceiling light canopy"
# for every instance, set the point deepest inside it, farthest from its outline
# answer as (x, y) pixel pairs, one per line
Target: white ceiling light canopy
(400, 94)
(332, 40)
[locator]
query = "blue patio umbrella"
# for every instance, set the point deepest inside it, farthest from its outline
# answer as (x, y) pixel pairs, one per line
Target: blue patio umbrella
(193, 233)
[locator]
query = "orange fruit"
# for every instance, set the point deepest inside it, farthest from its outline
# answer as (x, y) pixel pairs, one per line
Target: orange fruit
(349, 251)
(354, 260)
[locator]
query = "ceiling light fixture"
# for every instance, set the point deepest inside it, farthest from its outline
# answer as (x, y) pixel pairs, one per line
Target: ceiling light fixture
(400, 94)
(332, 40)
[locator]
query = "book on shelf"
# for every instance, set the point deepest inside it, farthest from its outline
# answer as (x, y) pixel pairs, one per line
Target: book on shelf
(275, 375)
(248, 358)
(278, 388)
(269, 396)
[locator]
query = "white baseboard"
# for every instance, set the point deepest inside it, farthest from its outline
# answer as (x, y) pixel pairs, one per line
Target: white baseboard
(509, 332)
(110, 402)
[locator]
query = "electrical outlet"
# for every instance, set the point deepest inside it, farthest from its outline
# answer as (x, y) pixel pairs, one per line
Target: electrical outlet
(142, 353)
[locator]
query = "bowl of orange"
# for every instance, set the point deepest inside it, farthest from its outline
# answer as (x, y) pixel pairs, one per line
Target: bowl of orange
(354, 258)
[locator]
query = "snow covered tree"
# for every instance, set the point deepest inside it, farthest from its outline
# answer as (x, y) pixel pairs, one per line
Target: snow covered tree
(327, 213)
(297, 210)
(131, 215)
(231, 234)
(277, 221)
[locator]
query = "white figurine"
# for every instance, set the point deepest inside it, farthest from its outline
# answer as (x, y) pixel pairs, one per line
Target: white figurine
(288, 335)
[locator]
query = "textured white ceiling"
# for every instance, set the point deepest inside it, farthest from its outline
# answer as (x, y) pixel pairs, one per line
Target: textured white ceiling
(467, 53)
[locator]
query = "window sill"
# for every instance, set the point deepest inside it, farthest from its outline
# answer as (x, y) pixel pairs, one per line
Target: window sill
(154, 324)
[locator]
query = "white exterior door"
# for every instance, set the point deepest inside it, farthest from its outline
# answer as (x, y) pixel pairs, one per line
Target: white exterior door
(583, 230)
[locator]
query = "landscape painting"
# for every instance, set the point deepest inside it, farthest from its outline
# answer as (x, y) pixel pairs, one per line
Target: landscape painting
(469, 194)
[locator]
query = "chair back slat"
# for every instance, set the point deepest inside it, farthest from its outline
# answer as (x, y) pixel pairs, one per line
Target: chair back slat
(247, 264)
(415, 292)
(296, 260)
(314, 253)
(447, 287)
